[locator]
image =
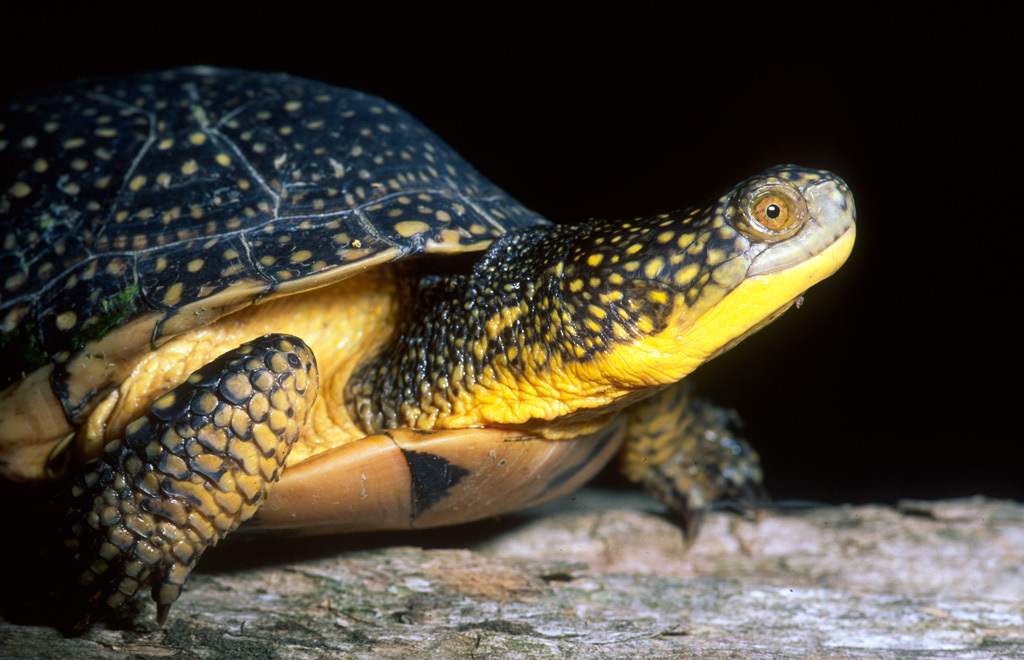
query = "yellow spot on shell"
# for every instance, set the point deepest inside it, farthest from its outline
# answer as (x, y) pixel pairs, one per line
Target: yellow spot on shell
(411, 228)
(223, 159)
(66, 321)
(15, 281)
(197, 138)
(173, 295)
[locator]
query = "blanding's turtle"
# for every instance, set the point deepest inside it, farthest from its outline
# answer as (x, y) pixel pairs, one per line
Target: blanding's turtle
(210, 313)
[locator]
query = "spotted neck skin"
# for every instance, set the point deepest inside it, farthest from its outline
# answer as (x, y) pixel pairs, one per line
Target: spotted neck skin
(561, 324)
(551, 321)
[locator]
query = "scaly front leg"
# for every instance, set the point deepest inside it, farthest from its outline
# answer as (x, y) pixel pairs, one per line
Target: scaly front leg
(685, 452)
(193, 469)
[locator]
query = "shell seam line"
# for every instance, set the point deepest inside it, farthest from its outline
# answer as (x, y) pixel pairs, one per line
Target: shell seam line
(221, 139)
(485, 215)
(130, 172)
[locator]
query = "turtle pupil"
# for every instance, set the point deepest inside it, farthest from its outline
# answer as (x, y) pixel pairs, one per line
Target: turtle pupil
(773, 211)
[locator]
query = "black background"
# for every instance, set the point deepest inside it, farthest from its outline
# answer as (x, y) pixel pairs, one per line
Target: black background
(898, 378)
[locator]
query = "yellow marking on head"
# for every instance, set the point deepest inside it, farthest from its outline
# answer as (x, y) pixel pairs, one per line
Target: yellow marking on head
(549, 384)
(685, 275)
(653, 267)
(609, 297)
(644, 325)
(689, 342)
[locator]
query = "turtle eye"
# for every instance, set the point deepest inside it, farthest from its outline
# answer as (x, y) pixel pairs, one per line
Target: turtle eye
(772, 212)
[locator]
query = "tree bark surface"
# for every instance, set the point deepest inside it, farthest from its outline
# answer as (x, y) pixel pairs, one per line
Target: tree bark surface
(589, 578)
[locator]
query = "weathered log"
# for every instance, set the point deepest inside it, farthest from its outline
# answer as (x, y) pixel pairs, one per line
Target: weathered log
(589, 579)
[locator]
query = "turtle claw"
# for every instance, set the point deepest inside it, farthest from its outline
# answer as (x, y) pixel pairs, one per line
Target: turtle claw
(753, 498)
(688, 521)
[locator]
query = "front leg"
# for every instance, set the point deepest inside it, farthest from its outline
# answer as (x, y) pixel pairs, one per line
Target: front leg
(685, 452)
(191, 470)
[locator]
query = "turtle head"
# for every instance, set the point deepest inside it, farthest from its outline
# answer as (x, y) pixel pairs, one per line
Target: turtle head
(559, 324)
(659, 297)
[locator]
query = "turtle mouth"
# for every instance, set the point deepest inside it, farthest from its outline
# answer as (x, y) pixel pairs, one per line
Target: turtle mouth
(829, 231)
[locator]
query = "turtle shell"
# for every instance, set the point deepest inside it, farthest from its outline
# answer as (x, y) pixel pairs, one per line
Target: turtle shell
(136, 208)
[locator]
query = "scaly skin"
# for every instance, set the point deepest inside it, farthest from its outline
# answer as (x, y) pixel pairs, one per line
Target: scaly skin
(685, 453)
(557, 328)
(192, 470)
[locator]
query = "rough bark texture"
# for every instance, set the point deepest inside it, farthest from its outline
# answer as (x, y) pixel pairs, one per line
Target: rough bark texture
(585, 580)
